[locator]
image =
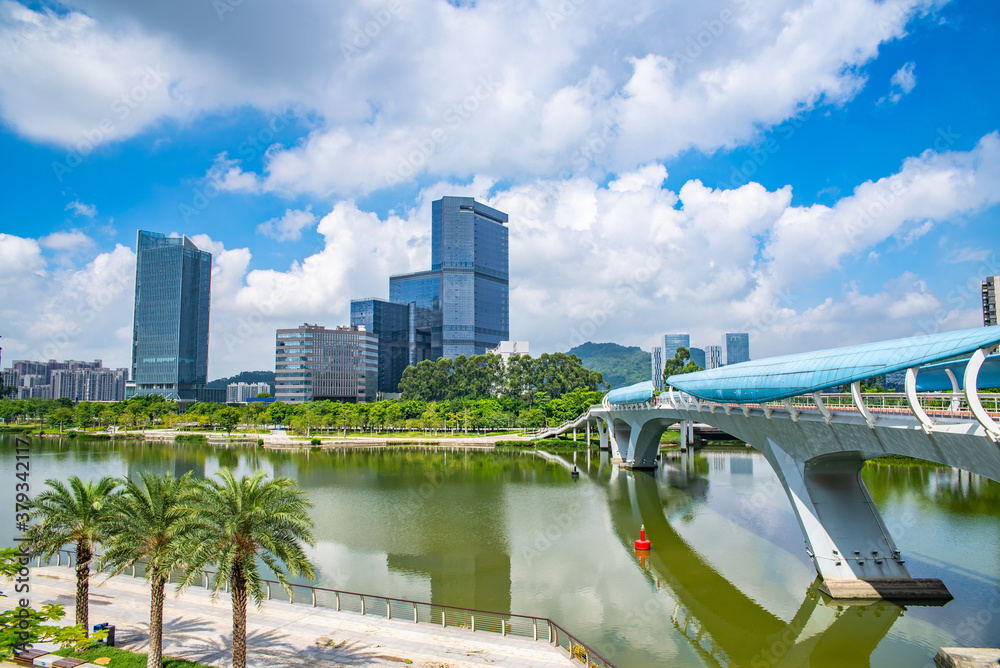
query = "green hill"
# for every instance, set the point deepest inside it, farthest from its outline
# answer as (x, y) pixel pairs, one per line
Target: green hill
(245, 377)
(620, 365)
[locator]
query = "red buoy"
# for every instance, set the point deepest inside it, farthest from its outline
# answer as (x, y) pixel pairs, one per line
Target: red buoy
(642, 545)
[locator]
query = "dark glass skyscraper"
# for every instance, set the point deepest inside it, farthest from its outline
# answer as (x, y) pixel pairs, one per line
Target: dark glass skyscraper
(462, 304)
(173, 281)
(736, 347)
(391, 323)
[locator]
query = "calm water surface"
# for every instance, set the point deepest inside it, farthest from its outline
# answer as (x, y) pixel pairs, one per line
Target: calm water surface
(728, 581)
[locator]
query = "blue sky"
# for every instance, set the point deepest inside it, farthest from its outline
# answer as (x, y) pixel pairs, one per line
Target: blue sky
(816, 173)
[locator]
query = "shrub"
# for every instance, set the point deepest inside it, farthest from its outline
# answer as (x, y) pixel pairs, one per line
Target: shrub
(315, 441)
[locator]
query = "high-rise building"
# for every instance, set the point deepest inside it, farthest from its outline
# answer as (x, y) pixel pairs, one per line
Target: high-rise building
(238, 393)
(72, 379)
(507, 349)
(173, 281)
(713, 357)
(735, 347)
(671, 342)
(391, 323)
(461, 306)
(313, 363)
(656, 366)
(697, 356)
(990, 286)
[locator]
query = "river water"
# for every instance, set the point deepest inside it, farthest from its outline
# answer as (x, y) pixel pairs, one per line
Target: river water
(728, 581)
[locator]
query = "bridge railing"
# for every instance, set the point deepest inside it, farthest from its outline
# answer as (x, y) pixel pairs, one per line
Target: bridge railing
(943, 404)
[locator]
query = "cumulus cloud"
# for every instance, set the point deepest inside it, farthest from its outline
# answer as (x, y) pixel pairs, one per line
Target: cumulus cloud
(80, 209)
(66, 242)
(633, 256)
(902, 82)
(288, 227)
(409, 93)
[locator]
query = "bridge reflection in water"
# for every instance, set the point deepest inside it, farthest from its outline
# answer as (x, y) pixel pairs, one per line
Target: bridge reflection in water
(724, 625)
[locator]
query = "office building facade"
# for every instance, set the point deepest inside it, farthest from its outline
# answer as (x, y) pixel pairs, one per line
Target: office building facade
(173, 280)
(391, 323)
(671, 342)
(313, 363)
(990, 286)
(713, 357)
(736, 347)
(656, 366)
(461, 306)
(698, 357)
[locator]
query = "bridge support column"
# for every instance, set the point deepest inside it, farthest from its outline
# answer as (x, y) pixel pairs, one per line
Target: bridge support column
(602, 433)
(845, 535)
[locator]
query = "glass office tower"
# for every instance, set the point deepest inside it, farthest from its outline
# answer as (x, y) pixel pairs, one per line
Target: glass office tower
(462, 304)
(736, 348)
(671, 342)
(390, 322)
(173, 280)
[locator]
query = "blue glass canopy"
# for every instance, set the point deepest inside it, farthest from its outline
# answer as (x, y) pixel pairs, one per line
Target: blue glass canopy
(633, 394)
(934, 378)
(776, 378)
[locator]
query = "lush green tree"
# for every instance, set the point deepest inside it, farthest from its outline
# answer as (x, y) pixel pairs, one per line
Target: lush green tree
(227, 417)
(147, 521)
(22, 627)
(681, 363)
(235, 525)
(72, 514)
(263, 395)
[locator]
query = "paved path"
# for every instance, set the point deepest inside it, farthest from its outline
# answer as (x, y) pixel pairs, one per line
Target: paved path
(283, 634)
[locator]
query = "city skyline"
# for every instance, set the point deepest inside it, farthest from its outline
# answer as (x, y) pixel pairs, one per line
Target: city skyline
(817, 174)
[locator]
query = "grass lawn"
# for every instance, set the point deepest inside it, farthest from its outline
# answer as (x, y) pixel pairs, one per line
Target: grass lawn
(123, 659)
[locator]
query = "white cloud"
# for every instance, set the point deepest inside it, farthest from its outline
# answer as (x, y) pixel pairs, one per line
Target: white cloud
(902, 82)
(289, 227)
(67, 242)
(593, 88)
(80, 209)
(619, 262)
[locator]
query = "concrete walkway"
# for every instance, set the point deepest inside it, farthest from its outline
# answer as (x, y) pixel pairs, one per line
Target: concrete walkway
(283, 634)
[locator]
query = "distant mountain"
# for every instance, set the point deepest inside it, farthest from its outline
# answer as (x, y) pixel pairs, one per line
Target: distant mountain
(245, 377)
(620, 365)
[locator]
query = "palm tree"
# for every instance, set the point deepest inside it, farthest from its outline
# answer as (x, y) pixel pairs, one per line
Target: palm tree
(73, 514)
(146, 522)
(236, 522)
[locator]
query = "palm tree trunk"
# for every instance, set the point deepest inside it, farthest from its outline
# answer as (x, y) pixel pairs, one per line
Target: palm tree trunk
(239, 587)
(155, 657)
(83, 555)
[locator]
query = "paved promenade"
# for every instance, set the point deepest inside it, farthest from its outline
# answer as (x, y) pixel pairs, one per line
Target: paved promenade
(283, 634)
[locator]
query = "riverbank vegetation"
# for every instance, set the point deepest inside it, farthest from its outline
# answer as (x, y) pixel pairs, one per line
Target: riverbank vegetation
(478, 393)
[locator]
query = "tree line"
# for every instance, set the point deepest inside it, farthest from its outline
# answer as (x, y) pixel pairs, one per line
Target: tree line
(470, 393)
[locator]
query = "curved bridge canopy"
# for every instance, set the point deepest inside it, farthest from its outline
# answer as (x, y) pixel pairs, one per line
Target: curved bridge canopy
(778, 378)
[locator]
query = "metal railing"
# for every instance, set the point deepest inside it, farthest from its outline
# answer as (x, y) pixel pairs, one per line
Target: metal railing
(506, 624)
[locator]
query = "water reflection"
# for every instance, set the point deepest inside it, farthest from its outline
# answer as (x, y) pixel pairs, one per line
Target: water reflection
(722, 623)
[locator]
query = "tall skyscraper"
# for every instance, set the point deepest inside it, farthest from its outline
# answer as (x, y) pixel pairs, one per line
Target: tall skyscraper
(390, 322)
(313, 363)
(698, 357)
(713, 357)
(656, 366)
(671, 342)
(173, 281)
(735, 347)
(990, 286)
(461, 306)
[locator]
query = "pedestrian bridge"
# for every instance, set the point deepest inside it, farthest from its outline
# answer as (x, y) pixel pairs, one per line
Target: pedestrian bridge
(817, 439)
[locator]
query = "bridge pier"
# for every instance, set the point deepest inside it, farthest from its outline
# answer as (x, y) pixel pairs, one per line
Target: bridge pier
(848, 542)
